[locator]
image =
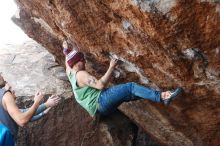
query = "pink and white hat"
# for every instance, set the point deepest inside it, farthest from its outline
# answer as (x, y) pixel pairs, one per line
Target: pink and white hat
(72, 56)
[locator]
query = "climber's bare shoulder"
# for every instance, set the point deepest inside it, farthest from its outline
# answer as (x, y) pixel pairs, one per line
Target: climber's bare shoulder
(86, 79)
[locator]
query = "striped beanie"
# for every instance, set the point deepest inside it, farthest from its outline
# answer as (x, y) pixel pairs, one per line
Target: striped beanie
(72, 56)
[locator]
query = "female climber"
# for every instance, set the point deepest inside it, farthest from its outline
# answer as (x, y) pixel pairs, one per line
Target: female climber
(91, 93)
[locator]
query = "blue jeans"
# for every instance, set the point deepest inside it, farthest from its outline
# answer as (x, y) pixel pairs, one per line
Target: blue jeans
(111, 98)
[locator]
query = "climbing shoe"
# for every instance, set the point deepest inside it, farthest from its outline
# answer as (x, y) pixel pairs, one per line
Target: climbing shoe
(173, 95)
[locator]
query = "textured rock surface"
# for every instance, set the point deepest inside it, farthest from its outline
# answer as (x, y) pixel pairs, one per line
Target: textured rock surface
(29, 68)
(162, 43)
(70, 125)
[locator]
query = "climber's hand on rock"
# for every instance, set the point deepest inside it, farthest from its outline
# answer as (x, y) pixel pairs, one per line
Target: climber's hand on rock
(65, 44)
(113, 62)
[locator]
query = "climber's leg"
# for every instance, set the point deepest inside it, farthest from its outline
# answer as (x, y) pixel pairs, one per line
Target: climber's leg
(112, 97)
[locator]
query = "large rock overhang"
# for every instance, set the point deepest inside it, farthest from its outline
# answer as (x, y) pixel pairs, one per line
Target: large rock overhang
(162, 44)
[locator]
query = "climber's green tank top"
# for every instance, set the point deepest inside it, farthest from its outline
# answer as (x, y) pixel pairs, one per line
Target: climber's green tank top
(87, 96)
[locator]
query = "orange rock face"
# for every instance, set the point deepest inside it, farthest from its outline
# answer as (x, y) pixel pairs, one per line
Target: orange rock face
(162, 43)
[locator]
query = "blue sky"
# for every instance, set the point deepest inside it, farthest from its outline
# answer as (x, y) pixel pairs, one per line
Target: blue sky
(10, 33)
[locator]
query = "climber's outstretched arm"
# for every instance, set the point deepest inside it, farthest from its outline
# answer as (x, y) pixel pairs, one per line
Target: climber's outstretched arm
(85, 79)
